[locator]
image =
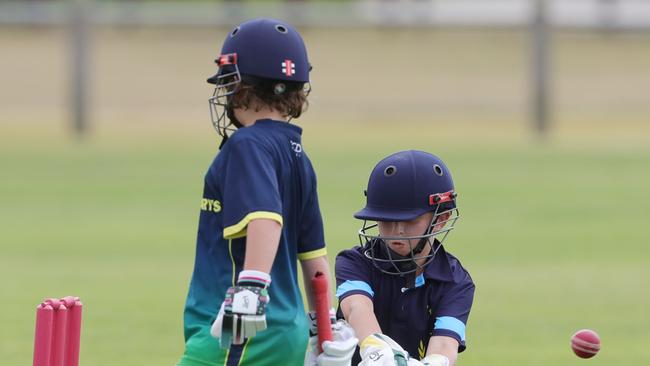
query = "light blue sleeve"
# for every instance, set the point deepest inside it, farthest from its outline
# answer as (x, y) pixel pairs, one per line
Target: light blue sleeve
(452, 324)
(348, 286)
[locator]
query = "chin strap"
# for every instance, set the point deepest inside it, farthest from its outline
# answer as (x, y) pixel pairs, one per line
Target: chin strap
(409, 281)
(420, 247)
(405, 263)
(223, 141)
(230, 113)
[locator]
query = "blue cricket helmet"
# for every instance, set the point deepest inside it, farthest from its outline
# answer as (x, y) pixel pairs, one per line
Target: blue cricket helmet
(265, 48)
(406, 185)
(402, 187)
(264, 52)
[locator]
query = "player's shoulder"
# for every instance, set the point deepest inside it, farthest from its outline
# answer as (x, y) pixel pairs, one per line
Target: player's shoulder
(352, 256)
(355, 252)
(244, 140)
(459, 273)
(243, 136)
(352, 264)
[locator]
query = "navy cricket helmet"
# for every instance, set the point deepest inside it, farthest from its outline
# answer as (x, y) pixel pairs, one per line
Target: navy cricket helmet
(264, 52)
(266, 48)
(401, 188)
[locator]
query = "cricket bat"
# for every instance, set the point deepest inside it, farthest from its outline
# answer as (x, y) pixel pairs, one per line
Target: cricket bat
(321, 296)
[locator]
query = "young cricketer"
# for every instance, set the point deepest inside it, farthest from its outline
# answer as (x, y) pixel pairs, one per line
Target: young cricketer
(404, 295)
(259, 212)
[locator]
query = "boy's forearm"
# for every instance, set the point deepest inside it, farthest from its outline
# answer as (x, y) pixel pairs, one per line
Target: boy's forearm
(262, 241)
(359, 312)
(309, 269)
(445, 346)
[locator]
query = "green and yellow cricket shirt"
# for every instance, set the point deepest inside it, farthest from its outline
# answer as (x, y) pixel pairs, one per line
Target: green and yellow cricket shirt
(261, 172)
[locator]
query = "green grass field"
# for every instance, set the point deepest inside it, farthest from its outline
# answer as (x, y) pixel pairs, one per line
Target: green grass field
(555, 238)
(555, 234)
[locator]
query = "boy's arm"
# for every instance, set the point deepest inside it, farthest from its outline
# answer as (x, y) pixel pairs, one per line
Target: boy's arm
(243, 312)
(453, 310)
(358, 310)
(262, 241)
(309, 269)
(441, 346)
(375, 348)
(449, 328)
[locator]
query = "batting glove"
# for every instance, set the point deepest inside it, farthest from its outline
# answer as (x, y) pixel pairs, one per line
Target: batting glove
(414, 362)
(380, 350)
(337, 352)
(435, 360)
(313, 324)
(243, 312)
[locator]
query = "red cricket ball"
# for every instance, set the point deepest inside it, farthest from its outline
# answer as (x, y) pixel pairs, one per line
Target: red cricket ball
(585, 343)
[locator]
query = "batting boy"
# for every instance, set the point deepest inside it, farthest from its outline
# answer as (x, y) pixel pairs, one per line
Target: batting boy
(400, 290)
(259, 212)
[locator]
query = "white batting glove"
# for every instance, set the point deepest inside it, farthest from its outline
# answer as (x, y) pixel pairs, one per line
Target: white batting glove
(435, 360)
(243, 311)
(380, 350)
(413, 362)
(337, 352)
(313, 328)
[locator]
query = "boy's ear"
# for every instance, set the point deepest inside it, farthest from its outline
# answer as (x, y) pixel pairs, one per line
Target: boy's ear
(442, 219)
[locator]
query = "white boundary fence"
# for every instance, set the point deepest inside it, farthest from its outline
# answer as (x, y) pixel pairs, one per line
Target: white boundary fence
(617, 14)
(536, 15)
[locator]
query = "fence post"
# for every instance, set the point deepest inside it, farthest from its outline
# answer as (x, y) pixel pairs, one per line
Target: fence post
(540, 68)
(79, 64)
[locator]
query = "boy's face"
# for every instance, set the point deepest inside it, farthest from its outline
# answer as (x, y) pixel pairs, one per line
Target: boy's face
(393, 231)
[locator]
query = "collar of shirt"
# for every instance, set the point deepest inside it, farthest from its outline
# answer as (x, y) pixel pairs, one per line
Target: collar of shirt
(281, 124)
(439, 268)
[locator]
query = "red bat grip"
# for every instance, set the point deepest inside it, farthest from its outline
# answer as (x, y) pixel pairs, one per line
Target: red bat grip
(321, 295)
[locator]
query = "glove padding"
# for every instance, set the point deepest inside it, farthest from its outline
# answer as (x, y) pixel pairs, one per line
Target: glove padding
(313, 328)
(435, 360)
(430, 360)
(337, 352)
(243, 311)
(380, 350)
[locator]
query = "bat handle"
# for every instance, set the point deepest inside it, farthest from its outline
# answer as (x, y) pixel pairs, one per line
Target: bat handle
(323, 322)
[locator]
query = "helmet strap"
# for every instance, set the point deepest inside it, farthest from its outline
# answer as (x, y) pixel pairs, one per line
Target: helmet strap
(230, 112)
(425, 237)
(223, 141)
(420, 247)
(409, 281)
(406, 263)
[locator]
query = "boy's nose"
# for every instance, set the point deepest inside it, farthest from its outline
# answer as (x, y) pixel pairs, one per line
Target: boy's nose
(399, 226)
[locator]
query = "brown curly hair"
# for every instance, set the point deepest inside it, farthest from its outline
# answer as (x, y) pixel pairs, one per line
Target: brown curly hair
(290, 99)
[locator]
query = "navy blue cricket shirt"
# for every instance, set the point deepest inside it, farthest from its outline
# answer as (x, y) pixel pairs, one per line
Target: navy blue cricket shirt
(438, 305)
(261, 172)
